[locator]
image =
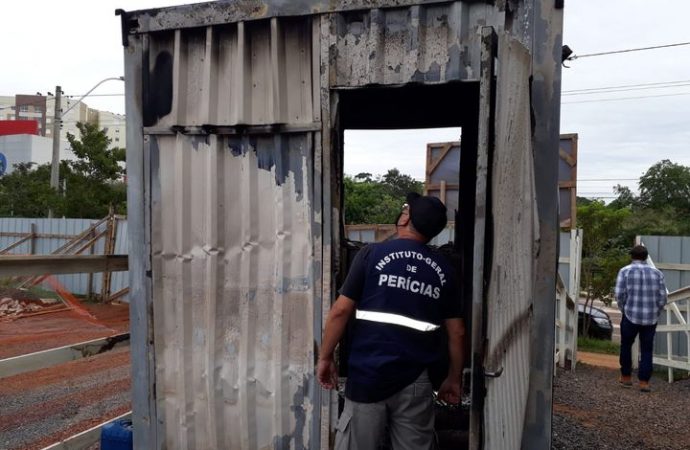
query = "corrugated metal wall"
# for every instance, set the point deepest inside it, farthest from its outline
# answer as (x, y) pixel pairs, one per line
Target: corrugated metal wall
(670, 250)
(66, 229)
(234, 290)
(256, 73)
(233, 252)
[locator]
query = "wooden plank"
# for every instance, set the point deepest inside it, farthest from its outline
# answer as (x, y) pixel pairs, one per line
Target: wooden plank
(15, 244)
(32, 247)
(109, 249)
(86, 439)
(445, 148)
(47, 358)
(38, 235)
(33, 265)
(566, 157)
(118, 294)
(573, 190)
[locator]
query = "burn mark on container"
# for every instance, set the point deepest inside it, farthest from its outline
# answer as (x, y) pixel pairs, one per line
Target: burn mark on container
(454, 65)
(280, 153)
(158, 88)
(300, 415)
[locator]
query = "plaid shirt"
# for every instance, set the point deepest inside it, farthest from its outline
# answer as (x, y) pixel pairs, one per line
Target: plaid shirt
(640, 293)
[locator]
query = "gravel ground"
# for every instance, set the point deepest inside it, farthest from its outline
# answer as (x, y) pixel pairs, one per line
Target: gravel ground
(591, 411)
(45, 406)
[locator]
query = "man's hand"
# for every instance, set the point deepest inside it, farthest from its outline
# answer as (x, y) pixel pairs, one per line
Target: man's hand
(451, 390)
(327, 373)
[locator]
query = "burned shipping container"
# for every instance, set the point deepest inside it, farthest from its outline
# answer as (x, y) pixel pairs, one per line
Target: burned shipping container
(236, 112)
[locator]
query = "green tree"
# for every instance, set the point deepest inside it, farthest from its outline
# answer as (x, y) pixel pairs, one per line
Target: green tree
(26, 192)
(625, 199)
(666, 184)
(93, 182)
(603, 252)
(369, 200)
(399, 184)
(89, 185)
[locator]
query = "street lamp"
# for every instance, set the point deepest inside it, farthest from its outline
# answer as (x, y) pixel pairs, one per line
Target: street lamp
(55, 164)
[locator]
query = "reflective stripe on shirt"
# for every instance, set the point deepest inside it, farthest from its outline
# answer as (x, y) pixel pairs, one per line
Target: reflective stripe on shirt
(396, 319)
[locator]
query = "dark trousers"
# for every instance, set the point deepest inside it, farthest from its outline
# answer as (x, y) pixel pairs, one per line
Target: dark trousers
(629, 331)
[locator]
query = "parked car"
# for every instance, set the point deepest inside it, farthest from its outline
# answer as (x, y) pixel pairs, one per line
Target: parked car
(600, 325)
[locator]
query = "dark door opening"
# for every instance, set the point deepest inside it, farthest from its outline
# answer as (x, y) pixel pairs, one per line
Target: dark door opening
(452, 105)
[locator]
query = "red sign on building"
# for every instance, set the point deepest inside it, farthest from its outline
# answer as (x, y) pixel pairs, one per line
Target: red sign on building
(9, 127)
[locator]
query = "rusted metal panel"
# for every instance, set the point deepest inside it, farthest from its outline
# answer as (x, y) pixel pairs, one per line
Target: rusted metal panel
(233, 298)
(420, 43)
(515, 236)
(230, 11)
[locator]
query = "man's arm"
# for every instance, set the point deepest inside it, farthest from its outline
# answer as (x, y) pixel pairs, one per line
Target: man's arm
(451, 388)
(663, 293)
(340, 313)
(620, 291)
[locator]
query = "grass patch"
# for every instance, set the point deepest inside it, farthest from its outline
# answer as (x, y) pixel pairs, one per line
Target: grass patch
(598, 346)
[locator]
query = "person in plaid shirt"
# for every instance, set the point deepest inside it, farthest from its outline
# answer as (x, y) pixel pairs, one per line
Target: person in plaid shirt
(641, 295)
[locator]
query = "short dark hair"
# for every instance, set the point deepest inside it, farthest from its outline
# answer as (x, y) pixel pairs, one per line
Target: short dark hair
(639, 252)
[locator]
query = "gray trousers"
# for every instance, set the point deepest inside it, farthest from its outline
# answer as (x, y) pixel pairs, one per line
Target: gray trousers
(409, 415)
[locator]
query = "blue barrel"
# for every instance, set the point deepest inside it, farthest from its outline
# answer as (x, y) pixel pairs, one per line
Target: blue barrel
(117, 435)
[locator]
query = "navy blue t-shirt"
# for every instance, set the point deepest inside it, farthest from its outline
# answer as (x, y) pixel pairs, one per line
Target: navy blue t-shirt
(404, 292)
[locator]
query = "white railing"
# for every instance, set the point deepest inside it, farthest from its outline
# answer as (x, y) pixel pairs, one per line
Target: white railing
(678, 303)
(566, 305)
(566, 328)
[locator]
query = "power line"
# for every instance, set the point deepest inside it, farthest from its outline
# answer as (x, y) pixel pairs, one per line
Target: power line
(626, 86)
(627, 50)
(610, 91)
(626, 98)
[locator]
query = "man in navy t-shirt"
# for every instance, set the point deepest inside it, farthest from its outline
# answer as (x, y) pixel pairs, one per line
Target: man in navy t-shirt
(400, 294)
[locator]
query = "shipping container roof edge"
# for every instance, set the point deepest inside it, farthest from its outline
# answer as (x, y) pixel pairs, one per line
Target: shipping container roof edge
(229, 11)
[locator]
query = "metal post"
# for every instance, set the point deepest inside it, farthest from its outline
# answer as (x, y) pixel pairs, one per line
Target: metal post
(55, 163)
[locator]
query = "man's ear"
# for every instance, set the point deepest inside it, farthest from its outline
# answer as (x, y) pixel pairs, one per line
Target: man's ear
(403, 220)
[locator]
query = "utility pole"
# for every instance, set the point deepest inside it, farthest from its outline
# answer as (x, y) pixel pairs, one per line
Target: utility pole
(55, 164)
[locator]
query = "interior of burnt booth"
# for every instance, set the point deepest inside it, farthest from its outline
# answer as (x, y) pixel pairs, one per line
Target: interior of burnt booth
(419, 106)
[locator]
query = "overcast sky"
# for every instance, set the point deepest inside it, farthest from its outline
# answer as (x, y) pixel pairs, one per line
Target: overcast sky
(76, 43)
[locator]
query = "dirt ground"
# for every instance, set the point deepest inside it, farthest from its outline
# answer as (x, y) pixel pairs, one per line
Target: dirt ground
(41, 332)
(42, 407)
(591, 411)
